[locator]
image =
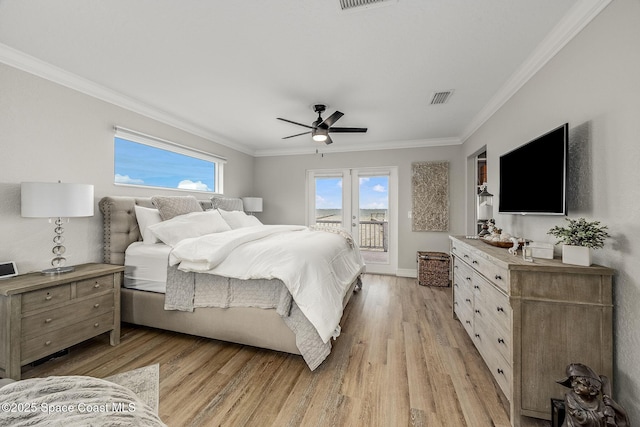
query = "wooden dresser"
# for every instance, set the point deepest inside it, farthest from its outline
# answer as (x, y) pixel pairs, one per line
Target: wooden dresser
(42, 314)
(529, 320)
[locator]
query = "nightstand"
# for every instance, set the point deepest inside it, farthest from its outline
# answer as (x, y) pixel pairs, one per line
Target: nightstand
(42, 314)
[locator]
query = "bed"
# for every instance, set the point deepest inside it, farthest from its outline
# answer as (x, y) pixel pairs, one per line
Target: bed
(170, 284)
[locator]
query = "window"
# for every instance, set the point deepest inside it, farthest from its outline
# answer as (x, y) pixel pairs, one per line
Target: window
(143, 160)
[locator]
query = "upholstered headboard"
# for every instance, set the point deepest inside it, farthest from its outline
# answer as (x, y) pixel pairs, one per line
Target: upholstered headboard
(120, 226)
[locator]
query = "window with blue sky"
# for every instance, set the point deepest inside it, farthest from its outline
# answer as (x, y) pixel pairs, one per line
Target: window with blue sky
(160, 165)
(373, 191)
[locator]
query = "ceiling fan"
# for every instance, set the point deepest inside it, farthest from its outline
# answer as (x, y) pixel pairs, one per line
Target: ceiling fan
(320, 128)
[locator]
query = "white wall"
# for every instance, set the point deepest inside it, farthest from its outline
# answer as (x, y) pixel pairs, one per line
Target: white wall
(594, 84)
(281, 183)
(49, 133)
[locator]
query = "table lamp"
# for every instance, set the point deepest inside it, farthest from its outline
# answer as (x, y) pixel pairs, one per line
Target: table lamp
(59, 201)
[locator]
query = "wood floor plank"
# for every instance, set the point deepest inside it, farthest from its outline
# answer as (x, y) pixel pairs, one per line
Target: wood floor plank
(401, 360)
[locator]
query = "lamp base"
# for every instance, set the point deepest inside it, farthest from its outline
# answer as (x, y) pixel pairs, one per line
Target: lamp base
(58, 270)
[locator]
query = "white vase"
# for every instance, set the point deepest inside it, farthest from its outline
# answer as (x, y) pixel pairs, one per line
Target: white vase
(577, 255)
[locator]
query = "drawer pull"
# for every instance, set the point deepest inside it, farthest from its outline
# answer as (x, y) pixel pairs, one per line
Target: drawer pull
(48, 297)
(500, 309)
(500, 371)
(455, 284)
(47, 343)
(476, 287)
(96, 305)
(468, 300)
(468, 322)
(95, 325)
(468, 278)
(500, 341)
(498, 277)
(477, 335)
(474, 262)
(466, 256)
(97, 285)
(48, 320)
(456, 266)
(477, 311)
(455, 303)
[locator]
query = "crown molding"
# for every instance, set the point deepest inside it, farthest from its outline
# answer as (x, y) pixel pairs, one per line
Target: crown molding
(368, 146)
(47, 71)
(581, 14)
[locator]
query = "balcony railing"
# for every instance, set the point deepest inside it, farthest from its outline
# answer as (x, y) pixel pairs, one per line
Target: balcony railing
(373, 234)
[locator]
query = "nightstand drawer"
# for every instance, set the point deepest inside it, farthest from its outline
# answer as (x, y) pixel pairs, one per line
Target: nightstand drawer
(44, 345)
(71, 314)
(44, 298)
(94, 286)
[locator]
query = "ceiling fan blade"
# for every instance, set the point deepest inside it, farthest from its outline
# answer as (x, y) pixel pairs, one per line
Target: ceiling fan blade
(295, 123)
(331, 120)
(298, 134)
(328, 140)
(345, 130)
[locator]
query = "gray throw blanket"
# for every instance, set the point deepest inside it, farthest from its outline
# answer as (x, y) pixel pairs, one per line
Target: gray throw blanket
(186, 291)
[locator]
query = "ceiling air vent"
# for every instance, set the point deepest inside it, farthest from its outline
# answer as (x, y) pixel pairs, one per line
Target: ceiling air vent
(353, 4)
(441, 97)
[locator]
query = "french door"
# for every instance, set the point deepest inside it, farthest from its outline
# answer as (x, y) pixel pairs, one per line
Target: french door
(362, 201)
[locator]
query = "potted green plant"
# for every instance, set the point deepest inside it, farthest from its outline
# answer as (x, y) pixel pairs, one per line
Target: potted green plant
(579, 237)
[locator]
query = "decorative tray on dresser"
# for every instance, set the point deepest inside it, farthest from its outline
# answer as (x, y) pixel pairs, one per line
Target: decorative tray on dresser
(42, 314)
(529, 320)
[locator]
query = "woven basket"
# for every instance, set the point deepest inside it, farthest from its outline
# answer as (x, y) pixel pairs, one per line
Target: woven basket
(433, 269)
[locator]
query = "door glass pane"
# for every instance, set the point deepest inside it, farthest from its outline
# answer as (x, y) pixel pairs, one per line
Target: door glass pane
(329, 201)
(373, 206)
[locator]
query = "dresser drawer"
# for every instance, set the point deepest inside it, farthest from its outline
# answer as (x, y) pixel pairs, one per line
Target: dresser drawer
(38, 347)
(497, 275)
(71, 314)
(94, 286)
(491, 304)
(492, 352)
(465, 315)
(44, 298)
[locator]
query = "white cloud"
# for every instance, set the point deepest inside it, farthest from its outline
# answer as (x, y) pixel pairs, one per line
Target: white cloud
(364, 180)
(187, 184)
(126, 179)
(379, 188)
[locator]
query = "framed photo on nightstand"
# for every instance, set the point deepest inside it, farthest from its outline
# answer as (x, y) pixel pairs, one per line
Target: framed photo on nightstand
(8, 269)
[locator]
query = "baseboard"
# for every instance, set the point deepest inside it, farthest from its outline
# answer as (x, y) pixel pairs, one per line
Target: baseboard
(407, 272)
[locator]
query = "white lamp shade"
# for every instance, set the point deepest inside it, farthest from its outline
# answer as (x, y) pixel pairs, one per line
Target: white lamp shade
(252, 204)
(53, 200)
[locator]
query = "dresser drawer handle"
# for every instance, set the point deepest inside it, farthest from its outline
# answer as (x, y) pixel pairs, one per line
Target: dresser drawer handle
(96, 305)
(455, 285)
(47, 343)
(49, 320)
(477, 335)
(465, 256)
(455, 303)
(500, 371)
(468, 322)
(468, 300)
(477, 311)
(500, 341)
(95, 325)
(48, 297)
(476, 287)
(468, 278)
(474, 262)
(498, 277)
(456, 266)
(500, 309)
(97, 285)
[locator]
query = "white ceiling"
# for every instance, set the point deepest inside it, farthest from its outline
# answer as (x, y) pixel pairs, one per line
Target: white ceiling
(226, 70)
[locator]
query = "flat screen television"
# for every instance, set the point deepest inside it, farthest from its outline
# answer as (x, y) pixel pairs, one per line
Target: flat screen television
(533, 177)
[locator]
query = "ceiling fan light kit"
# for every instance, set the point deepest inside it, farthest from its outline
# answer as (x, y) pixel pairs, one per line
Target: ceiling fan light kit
(320, 128)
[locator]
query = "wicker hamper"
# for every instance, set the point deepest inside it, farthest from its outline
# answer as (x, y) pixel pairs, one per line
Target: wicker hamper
(433, 269)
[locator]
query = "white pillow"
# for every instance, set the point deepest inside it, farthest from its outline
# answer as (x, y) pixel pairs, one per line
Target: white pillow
(239, 219)
(147, 217)
(194, 224)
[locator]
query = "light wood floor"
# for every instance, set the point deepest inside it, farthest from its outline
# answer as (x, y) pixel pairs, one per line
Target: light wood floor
(401, 360)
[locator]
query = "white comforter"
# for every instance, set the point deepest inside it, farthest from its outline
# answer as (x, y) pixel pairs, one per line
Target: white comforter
(316, 266)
